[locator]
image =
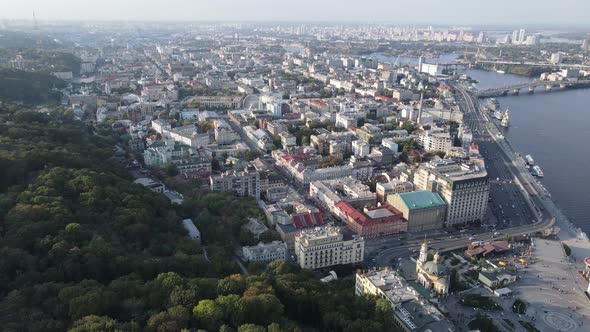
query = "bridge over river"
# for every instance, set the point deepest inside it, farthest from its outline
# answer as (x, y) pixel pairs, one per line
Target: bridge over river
(531, 87)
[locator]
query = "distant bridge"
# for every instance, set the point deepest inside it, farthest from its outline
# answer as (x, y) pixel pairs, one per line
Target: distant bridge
(533, 64)
(463, 63)
(530, 87)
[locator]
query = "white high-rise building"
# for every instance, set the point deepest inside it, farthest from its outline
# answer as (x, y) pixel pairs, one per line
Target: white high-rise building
(481, 38)
(435, 140)
(514, 37)
(556, 58)
(521, 36)
(464, 186)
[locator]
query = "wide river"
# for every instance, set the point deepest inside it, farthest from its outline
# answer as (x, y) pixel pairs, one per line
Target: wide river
(553, 127)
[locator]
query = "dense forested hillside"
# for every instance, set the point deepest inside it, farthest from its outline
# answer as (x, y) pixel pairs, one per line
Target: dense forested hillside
(28, 87)
(82, 248)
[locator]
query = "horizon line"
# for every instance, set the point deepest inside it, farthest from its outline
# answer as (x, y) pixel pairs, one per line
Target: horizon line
(538, 25)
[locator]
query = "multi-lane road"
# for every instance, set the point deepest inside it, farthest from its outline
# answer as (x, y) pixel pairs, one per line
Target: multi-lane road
(509, 201)
(505, 164)
(447, 243)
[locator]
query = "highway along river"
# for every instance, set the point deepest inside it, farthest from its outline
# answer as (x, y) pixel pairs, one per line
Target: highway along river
(554, 128)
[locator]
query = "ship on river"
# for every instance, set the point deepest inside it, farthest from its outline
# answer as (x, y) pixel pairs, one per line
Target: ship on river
(536, 171)
(529, 160)
(498, 114)
(493, 104)
(505, 119)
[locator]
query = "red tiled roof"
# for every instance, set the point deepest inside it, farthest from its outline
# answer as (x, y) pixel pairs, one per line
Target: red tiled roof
(318, 102)
(308, 220)
(292, 116)
(474, 252)
(363, 219)
(488, 249)
(319, 219)
(500, 245)
(297, 221)
(297, 157)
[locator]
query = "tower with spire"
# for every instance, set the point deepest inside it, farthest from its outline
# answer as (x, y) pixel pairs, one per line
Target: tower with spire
(433, 275)
(423, 253)
(419, 120)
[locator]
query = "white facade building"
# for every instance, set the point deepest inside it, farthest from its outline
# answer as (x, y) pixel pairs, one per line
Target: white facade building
(287, 139)
(224, 133)
(245, 183)
(395, 186)
(391, 144)
(259, 137)
(266, 252)
(435, 140)
(327, 246)
(360, 148)
(556, 58)
(350, 190)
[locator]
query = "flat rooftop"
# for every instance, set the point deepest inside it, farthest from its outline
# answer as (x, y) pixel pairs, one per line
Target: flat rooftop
(422, 199)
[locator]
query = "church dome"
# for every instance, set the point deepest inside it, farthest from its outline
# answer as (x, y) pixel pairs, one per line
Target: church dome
(433, 269)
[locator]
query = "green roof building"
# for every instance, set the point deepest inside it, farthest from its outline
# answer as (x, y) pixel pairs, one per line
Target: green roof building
(424, 210)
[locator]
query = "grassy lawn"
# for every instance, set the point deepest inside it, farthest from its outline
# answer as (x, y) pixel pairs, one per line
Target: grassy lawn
(478, 301)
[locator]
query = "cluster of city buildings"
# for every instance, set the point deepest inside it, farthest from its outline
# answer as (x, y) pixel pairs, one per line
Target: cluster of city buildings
(520, 37)
(335, 149)
(411, 310)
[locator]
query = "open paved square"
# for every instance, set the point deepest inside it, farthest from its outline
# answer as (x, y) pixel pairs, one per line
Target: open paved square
(553, 290)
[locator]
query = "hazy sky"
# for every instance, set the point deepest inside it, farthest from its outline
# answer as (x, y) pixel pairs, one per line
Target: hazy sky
(407, 11)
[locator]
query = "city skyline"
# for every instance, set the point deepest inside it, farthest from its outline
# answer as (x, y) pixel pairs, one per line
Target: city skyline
(265, 166)
(427, 11)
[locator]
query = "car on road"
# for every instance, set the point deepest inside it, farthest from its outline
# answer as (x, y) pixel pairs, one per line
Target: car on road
(471, 238)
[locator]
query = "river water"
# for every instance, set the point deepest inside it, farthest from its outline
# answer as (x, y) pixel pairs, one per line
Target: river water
(413, 61)
(553, 127)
